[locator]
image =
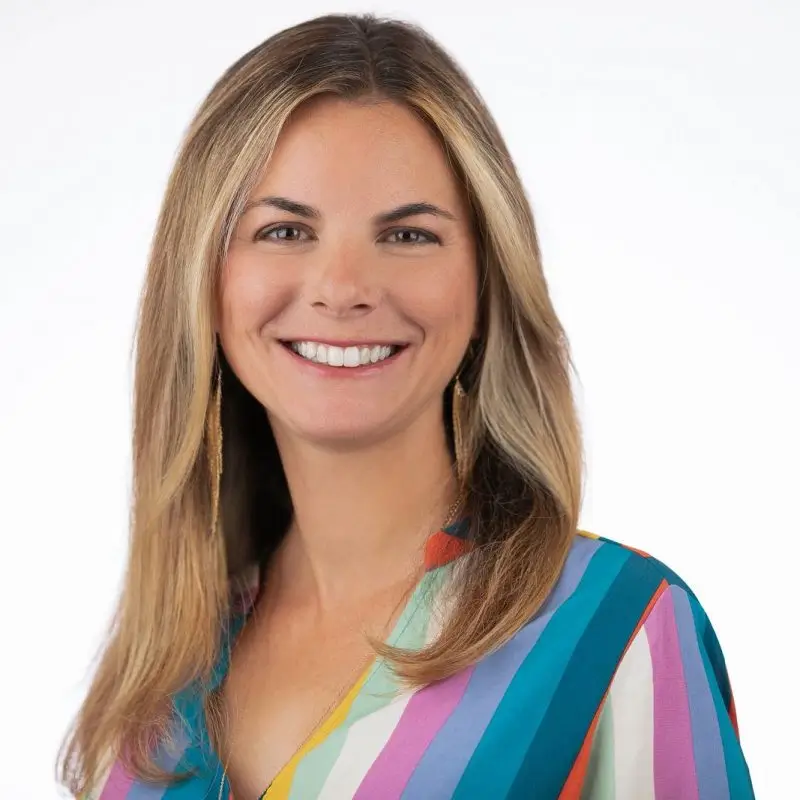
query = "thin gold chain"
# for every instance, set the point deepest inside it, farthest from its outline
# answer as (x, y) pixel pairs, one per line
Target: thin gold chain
(351, 681)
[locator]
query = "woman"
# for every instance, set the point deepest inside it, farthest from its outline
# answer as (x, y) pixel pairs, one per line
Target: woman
(355, 568)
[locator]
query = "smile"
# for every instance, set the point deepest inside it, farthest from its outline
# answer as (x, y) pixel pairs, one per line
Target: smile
(346, 357)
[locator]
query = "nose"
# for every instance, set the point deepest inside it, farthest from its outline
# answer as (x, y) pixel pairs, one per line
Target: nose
(344, 285)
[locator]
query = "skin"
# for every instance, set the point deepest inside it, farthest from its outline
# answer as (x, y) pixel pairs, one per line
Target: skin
(364, 449)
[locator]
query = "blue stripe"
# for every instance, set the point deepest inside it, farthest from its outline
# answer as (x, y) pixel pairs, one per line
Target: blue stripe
(443, 763)
(709, 759)
(168, 759)
(737, 773)
(585, 680)
(494, 765)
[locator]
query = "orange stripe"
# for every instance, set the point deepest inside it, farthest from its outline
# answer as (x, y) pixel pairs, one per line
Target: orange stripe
(577, 775)
(732, 715)
(442, 548)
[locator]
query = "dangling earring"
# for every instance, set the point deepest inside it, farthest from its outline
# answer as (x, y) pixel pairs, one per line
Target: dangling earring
(459, 443)
(214, 446)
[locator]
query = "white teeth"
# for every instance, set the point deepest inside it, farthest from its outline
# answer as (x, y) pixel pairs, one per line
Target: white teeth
(335, 356)
(349, 357)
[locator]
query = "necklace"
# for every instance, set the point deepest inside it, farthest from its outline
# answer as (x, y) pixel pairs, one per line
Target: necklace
(352, 678)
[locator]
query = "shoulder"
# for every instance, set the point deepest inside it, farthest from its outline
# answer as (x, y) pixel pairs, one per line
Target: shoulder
(616, 553)
(615, 576)
(606, 593)
(625, 661)
(616, 617)
(627, 594)
(621, 591)
(666, 723)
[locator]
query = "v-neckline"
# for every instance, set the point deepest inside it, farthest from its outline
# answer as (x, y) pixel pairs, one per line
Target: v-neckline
(443, 547)
(404, 634)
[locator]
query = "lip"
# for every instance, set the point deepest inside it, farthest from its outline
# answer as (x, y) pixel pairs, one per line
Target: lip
(325, 370)
(347, 342)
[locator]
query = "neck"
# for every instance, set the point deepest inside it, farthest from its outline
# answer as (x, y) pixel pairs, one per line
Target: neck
(362, 516)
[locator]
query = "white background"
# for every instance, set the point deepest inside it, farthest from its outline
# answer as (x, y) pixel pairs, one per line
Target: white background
(659, 146)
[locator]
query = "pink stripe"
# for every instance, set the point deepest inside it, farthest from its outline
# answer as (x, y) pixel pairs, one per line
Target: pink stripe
(424, 715)
(673, 756)
(117, 785)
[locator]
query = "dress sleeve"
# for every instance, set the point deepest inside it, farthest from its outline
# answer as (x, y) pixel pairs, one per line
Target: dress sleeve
(667, 729)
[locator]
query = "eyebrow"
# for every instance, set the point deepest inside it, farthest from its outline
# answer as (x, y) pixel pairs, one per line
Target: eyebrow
(384, 218)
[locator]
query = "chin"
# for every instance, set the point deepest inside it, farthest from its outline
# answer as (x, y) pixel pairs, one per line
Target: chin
(348, 430)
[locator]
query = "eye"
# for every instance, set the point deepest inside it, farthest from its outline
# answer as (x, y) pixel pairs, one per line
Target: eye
(281, 233)
(411, 236)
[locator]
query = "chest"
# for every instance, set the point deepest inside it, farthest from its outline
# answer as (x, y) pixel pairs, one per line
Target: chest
(480, 733)
(285, 685)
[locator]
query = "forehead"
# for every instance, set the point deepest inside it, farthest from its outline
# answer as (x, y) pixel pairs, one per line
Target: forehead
(336, 152)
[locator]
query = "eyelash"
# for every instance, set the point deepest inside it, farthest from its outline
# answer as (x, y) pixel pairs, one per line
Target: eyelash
(264, 234)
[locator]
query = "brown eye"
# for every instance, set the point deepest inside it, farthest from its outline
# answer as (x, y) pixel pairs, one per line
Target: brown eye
(281, 233)
(411, 236)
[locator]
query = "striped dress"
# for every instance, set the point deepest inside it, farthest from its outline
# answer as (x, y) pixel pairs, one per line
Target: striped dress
(616, 690)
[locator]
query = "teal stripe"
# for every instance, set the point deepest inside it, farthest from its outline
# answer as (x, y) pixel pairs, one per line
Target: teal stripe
(378, 689)
(739, 782)
(199, 762)
(584, 681)
(494, 765)
(199, 758)
(717, 659)
(600, 776)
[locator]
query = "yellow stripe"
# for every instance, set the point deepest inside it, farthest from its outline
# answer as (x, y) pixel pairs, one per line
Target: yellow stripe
(279, 788)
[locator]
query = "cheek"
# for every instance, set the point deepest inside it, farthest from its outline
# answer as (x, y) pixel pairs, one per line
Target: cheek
(446, 302)
(250, 295)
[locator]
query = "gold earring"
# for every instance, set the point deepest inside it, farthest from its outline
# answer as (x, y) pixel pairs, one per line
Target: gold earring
(459, 443)
(214, 447)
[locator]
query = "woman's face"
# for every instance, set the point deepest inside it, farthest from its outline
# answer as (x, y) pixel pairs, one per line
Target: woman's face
(349, 293)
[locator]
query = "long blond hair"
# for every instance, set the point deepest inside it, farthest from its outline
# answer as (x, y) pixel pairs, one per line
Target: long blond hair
(524, 462)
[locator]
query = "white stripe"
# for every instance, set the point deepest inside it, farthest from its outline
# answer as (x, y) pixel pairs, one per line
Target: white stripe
(631, 698)
(365, 740)
(442, 596)
(441, 606)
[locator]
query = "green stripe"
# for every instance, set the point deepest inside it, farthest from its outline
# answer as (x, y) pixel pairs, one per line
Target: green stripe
(600, 777)
(493, 767)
